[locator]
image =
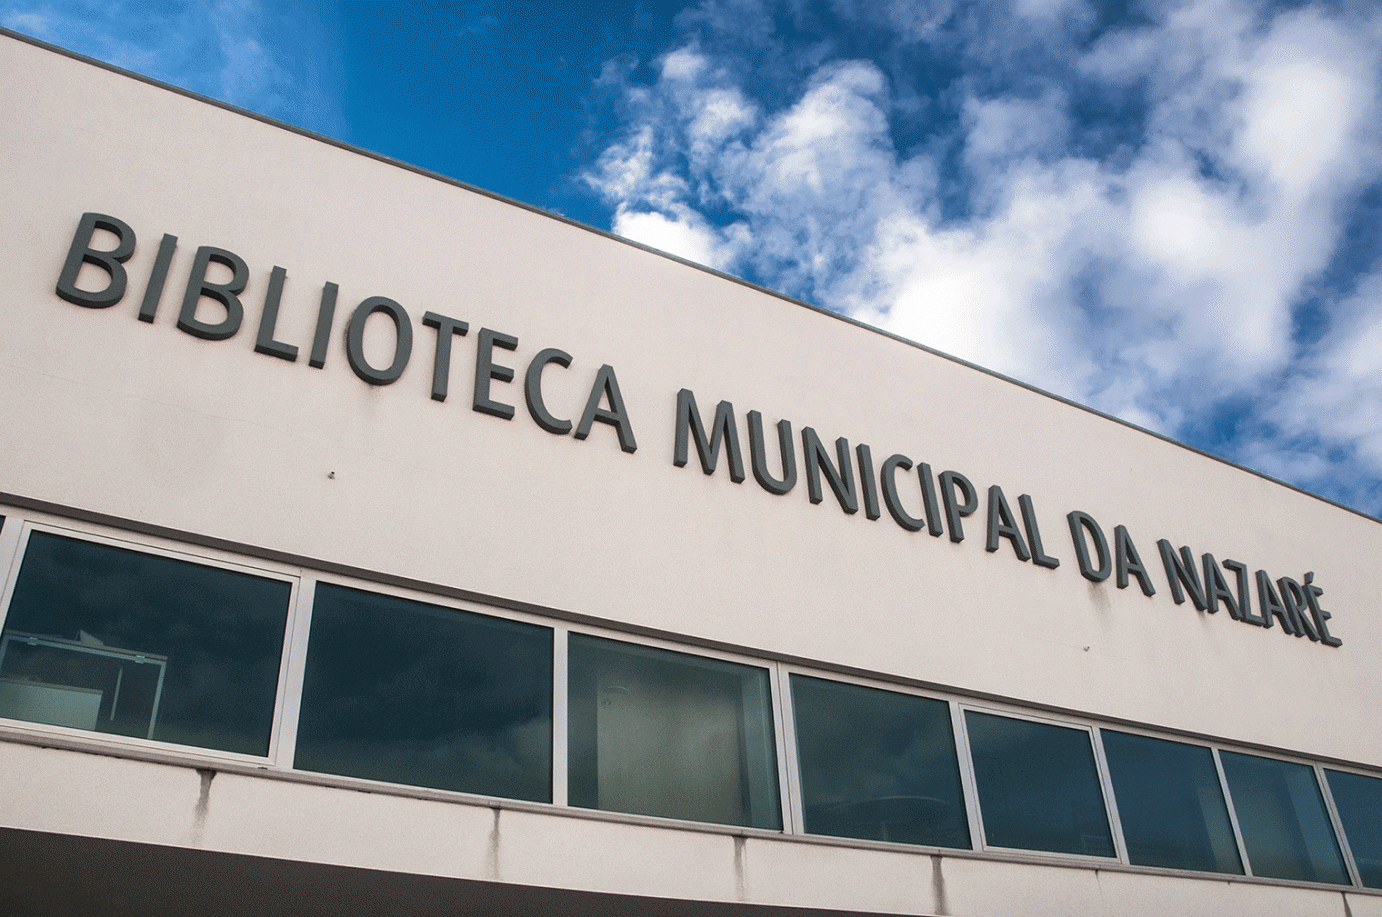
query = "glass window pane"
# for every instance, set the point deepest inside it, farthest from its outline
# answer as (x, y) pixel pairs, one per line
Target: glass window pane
(877, 764)
(1282, 817)
(103, 638)
(406, 692)
(660, 733)
(1170, 804)
(1359, 801)
(1038, 786)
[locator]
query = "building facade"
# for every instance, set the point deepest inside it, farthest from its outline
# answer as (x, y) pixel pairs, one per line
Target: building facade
(370, 542)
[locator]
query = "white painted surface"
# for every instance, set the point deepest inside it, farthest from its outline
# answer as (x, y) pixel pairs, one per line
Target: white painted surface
(110, 415)
(163, 804)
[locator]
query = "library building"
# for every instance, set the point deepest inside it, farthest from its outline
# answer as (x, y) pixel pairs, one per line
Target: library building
(373, 544)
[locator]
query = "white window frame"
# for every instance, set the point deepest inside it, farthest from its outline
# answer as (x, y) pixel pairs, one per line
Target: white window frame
(312, 579)
(966, 776)
(1101, 778)
(14, 541)
(775, 693)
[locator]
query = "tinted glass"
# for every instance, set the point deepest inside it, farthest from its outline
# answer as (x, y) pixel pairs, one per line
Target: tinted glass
(1282, 817)
(1170, 804)
(406, 692)
(877, 765)
(1038, 786)
(103, 638)
(1359, 801)
(660, 733)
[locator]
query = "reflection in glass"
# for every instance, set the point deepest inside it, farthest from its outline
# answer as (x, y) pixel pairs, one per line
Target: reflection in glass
(1038, 786)
(113, 640)
(654, 732)
(877, 764)
(1170, 804)
(1358, 799)
(405, 692)
(1281, 814)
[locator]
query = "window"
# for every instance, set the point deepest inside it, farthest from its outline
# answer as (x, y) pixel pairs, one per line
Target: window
(112, 640)
(1359, 801)
(1038, 786)
(1281, 814)
(877, 764)
(405, 692)
(655, 732)
(1170, 804)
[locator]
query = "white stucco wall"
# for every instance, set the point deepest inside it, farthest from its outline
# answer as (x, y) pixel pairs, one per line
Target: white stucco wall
(112, 416)
(169, 806)
(143, 421)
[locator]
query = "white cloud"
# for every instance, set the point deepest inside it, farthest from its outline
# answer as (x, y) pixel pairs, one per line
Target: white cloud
(1337, 396)
(683, 233)
(1157, 275)
(1310, 106)
(998, 130)
(999, 292)
(721, 114)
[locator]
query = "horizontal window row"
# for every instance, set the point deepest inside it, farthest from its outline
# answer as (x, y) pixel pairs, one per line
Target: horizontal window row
(161, 647)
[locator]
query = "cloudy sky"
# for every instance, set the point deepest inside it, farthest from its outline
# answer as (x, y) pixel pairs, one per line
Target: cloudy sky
(1169, 211)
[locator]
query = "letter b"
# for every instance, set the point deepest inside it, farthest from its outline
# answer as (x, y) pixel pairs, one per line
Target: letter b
(81, 253)
(227, 294)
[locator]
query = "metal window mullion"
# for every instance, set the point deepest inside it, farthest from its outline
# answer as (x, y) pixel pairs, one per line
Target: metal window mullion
(11, 539)
(789, 766)
(1232, 812)
(561, 719)
(969, 784)
(1120, 847)
(284, 747)
(1327, 795)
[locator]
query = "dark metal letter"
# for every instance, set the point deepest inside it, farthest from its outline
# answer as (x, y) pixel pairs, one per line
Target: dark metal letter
(866, 481)
(1029, 522)
(441, 362)
(1080, 524)
(817, 460)
(1312, 598)
(532, 390)
(326, 314)
(1002, 524)
(723, 430)
(157, 277)
(1270, 603)
(954, 512)
(1216, 588)
(928, 497)
(485, 370)
(1127, 561)
(355, 340)
(607, 386)
(265, 342)
(888, 476)
(1240, 572)
(1181, 571)
(1293, 597)
(223, 293)
(759, 458)
(110, 261)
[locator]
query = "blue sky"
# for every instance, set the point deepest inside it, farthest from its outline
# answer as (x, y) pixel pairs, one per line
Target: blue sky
(1169, 211)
